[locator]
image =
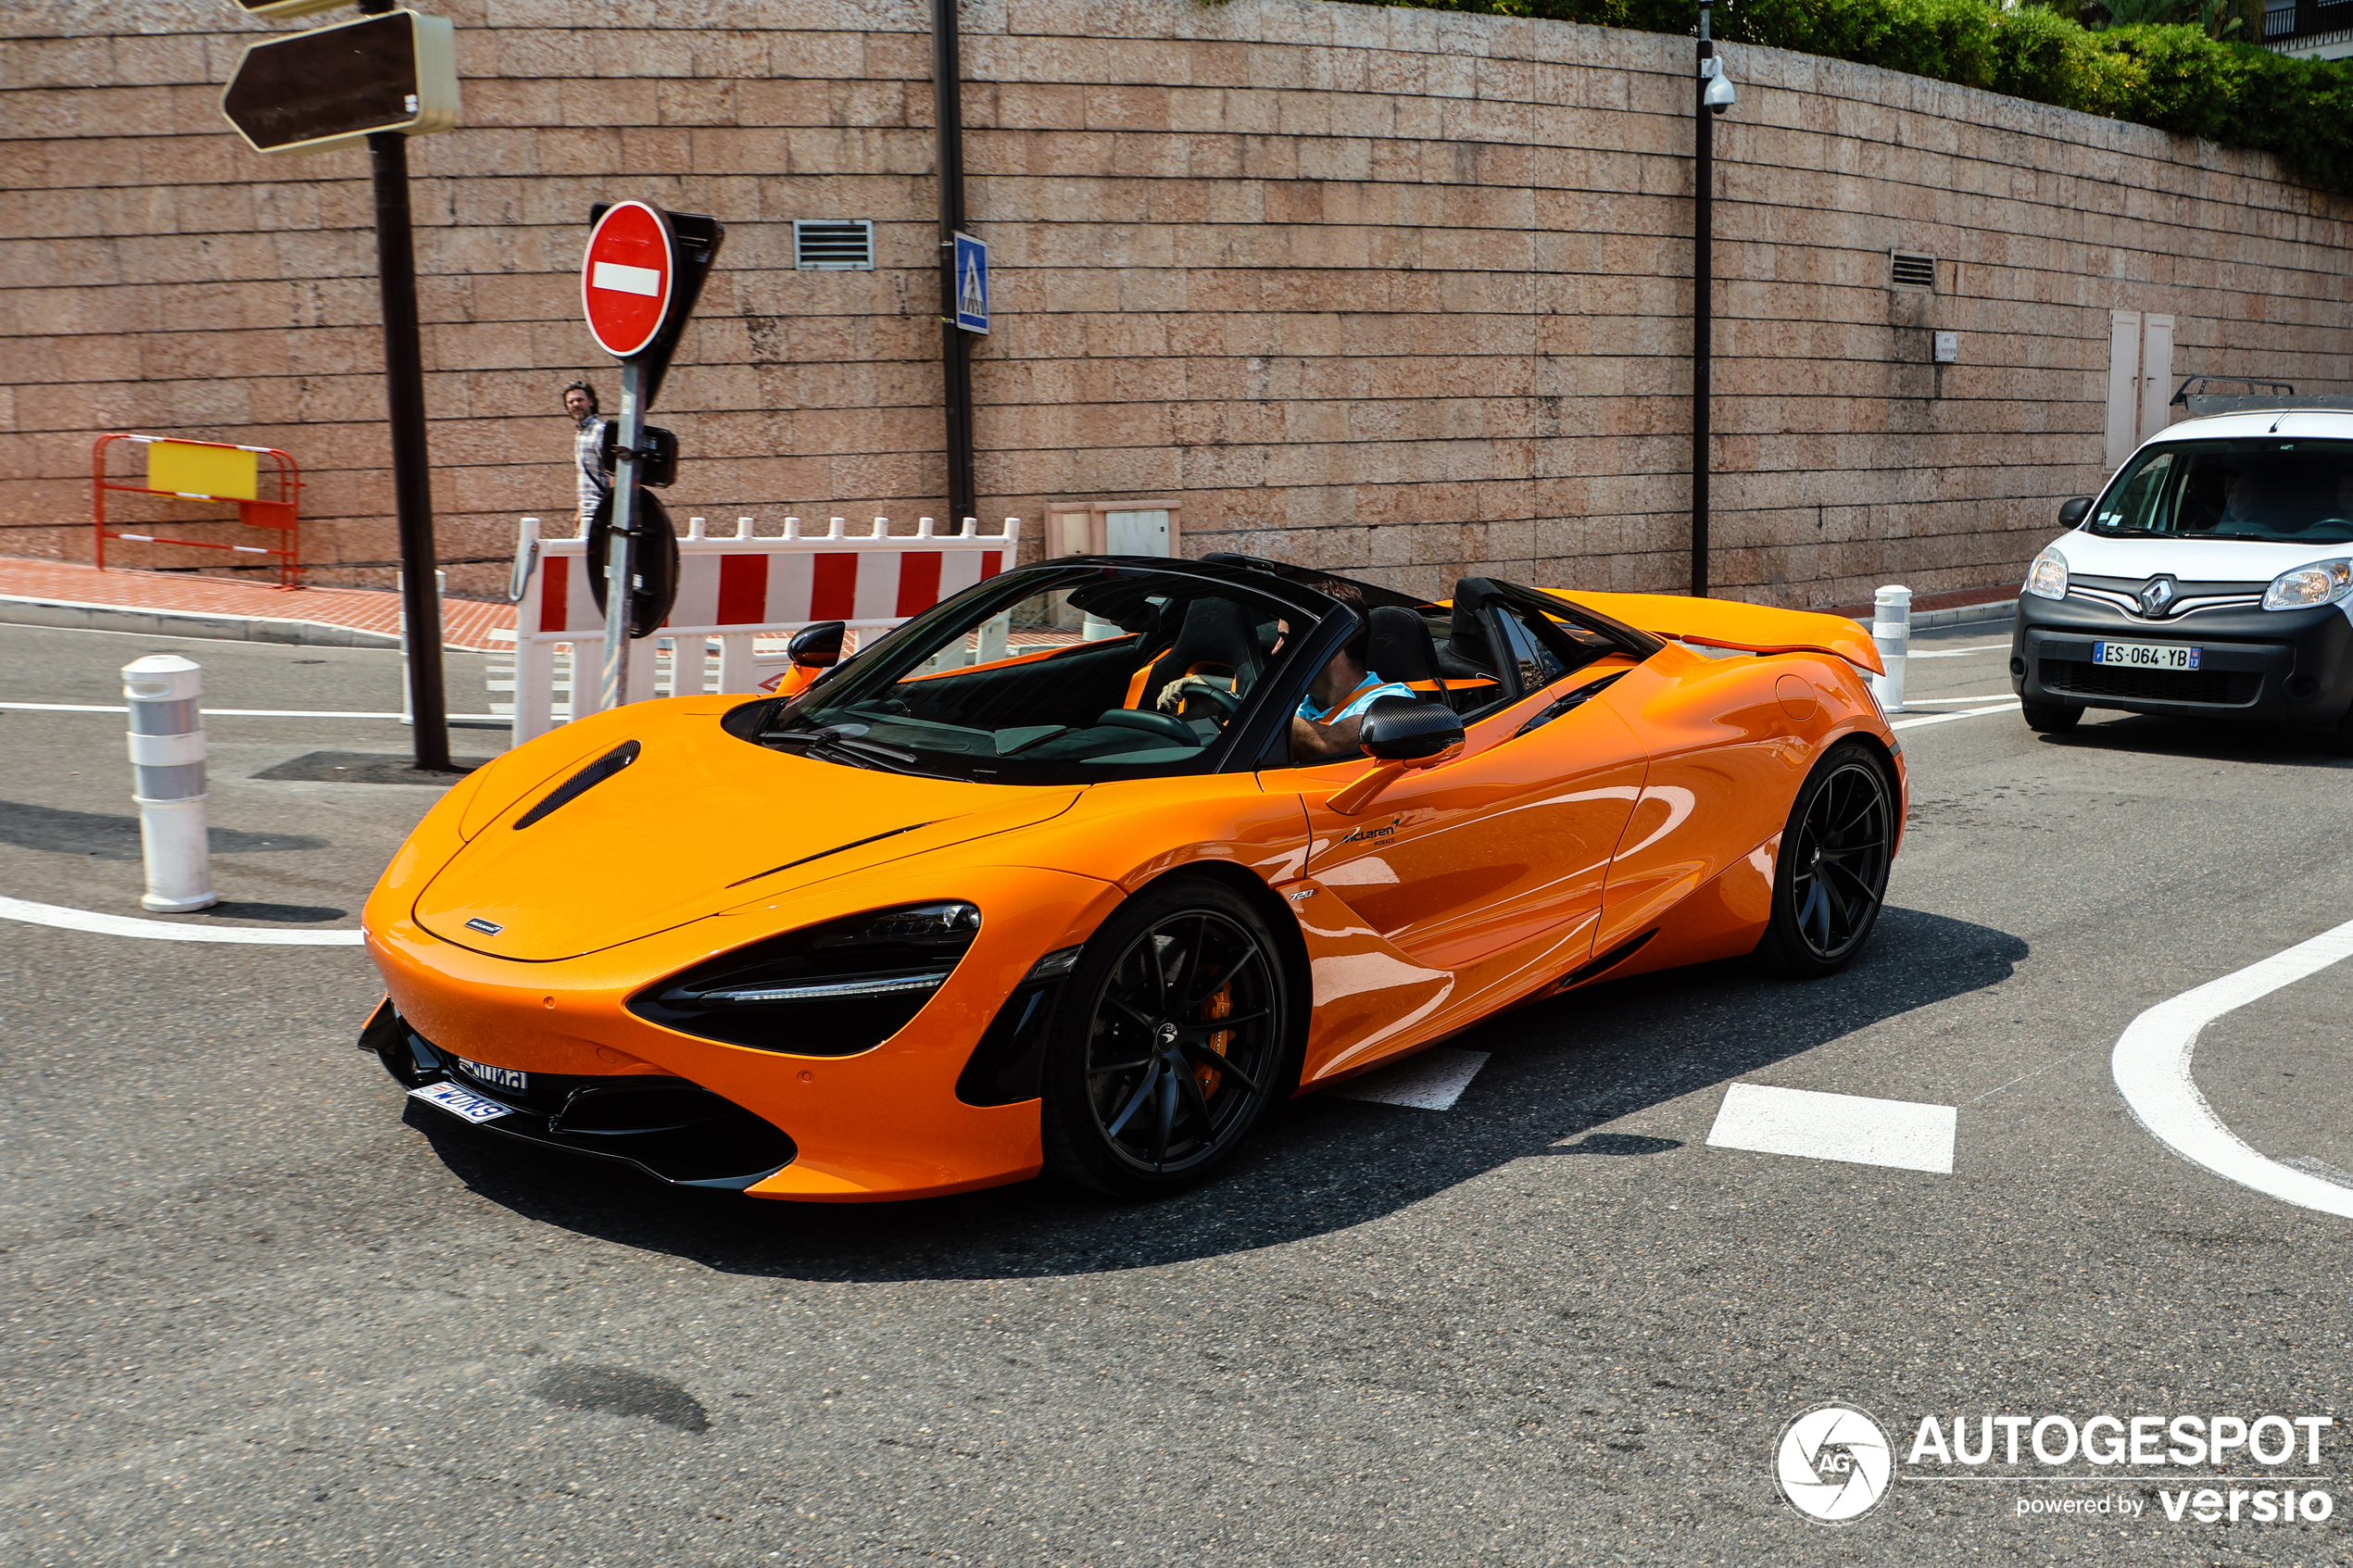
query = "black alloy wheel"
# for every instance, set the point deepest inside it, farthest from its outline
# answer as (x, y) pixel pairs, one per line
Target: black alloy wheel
(1835, 855)
(1171, 1040)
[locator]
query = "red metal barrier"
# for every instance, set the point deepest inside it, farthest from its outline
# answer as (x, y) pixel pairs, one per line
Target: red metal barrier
(220, 471)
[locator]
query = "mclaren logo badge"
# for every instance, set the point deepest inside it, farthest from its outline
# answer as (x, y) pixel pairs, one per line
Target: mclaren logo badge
(2157, 594)
(1362, 835)
(488, 928)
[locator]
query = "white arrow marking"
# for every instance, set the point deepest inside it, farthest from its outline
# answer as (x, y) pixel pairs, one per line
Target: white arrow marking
(2151, 1064)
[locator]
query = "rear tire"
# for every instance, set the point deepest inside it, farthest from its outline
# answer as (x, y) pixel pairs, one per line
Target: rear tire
(1831, 876)
(2051, 718)
(1171, 1040)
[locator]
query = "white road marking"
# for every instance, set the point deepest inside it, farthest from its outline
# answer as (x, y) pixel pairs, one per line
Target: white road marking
(232, 712)
(166, 931)
(1904, 1134)
(2008, 707)
(1911, 701)
(1955, 653)
(1432, 1080)
(2151, 1064)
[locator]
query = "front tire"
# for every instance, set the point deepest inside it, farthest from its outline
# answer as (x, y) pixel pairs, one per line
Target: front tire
(1172, 1039)
(1832, 874)
(2051, 718)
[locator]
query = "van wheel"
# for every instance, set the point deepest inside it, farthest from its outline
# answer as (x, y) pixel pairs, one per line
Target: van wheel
(2051, 718)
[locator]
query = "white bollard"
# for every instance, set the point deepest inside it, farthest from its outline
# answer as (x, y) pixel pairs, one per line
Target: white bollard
(1891, 631)
(167, 760)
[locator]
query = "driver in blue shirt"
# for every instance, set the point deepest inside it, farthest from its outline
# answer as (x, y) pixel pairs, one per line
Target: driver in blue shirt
(1333, 711)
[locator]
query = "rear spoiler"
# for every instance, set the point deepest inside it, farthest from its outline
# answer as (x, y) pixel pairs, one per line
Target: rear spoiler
(1727, 623)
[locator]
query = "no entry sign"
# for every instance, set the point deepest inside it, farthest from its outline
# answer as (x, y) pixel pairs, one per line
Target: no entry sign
(626, 276)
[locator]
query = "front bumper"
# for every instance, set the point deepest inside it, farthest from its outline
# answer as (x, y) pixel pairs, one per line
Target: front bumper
(672, 1130)
(885, 1123)
(2287, 667)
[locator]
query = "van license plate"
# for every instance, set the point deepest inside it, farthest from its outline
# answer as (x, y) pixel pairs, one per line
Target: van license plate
(2146, 656)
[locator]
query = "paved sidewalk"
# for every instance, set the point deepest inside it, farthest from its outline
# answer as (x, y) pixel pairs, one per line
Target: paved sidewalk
(50, 593)
(1963, 608)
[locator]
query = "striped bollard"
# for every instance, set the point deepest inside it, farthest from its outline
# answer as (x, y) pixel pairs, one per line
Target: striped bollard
(168, 762)
(1891, 631)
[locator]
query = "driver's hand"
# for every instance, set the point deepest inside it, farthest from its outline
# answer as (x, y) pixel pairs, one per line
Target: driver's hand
(1173, 694)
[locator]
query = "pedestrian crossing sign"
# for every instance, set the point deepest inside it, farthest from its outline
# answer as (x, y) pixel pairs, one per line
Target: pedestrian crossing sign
(972, 284)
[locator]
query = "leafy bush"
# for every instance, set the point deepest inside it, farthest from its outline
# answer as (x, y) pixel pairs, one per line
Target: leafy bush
(2172, 76)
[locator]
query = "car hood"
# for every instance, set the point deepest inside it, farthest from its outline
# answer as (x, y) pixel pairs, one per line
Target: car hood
(2193, 561)
(697, 823)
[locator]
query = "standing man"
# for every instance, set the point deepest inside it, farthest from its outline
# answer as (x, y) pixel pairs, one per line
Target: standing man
(580, 402)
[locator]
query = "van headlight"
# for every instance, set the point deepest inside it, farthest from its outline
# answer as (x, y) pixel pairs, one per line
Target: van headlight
(2308, 587)
(2046, 579)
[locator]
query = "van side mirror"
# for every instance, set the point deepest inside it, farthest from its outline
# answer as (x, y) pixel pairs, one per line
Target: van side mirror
(2073, 512)
(817, 646)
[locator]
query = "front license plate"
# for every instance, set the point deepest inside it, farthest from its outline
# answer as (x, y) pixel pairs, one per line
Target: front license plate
(454, 1101)
(2146, 656)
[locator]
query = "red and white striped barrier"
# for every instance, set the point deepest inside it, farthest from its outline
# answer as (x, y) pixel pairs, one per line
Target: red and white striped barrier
(733, 589)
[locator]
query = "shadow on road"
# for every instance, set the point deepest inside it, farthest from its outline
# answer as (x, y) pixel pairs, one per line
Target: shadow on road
(107, 836)
(1558, 1070)
(2145, 734)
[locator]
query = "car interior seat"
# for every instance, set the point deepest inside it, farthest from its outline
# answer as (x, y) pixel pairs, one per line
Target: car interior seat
(1401, 648)
(1214, 638)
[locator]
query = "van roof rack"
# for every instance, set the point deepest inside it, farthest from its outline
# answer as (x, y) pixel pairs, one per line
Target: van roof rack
(2259, 396)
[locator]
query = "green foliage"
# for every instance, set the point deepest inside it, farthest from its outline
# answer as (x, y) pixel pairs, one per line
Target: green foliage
(2156, 62)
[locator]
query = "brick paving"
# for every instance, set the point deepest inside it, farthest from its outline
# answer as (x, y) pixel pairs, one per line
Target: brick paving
(465, 623)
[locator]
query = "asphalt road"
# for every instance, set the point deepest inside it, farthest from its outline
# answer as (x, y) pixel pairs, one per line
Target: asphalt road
(257, 1315)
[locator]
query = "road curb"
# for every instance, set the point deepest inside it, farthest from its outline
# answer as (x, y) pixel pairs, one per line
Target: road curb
(16, 611)
(1966, 615)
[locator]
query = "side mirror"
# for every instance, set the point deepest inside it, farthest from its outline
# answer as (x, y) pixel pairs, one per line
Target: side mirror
(1418, 734)
(2073, 512)
(817, 646)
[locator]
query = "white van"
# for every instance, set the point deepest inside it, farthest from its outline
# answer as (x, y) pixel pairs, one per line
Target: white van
(2212, 578)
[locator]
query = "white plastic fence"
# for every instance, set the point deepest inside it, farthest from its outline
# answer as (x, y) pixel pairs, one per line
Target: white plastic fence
(734, 590)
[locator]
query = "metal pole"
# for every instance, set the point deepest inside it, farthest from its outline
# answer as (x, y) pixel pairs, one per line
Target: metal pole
(955, 346)
(412, 470)
(1703, 302)
(620, 557)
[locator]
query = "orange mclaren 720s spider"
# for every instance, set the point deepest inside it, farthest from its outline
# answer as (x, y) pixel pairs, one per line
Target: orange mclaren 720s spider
(1095, 863)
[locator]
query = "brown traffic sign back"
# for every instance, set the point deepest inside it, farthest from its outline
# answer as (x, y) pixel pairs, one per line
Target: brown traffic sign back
(626, 276)
(332, 87)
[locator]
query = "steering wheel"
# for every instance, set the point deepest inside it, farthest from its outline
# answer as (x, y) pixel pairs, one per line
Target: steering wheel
(1227, 702)
(1165, 725)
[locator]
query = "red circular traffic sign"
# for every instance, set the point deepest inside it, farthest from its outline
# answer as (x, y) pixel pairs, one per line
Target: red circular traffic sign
(626, 278)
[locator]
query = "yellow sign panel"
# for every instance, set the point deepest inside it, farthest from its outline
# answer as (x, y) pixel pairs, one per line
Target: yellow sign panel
(187, 469)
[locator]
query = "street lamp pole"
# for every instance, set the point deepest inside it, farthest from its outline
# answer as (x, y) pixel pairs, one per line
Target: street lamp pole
(1703, 291)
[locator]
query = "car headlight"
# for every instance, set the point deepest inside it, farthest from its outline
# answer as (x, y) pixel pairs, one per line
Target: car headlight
(834, 989)
(2308, 587)
(2046, 579)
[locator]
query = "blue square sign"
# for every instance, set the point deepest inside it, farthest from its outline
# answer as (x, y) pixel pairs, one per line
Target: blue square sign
(972, 284)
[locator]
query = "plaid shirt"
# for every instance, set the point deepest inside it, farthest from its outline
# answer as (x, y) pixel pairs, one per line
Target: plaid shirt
(594, 484)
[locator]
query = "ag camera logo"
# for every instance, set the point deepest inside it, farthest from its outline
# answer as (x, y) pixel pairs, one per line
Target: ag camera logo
(1834, 1463)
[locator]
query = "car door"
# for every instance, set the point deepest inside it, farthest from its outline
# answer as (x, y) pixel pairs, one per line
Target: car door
(1498, 860)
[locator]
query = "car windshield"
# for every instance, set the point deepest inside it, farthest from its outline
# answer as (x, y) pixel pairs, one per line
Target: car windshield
(2294, 492)
(1052, 675)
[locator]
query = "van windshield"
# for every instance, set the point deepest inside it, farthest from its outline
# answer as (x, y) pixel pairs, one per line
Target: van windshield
(2291, 492)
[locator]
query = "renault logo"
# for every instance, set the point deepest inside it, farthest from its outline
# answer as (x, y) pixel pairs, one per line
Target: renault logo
(2157, 593)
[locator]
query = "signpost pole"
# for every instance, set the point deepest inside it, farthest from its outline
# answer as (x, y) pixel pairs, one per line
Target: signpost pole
(621, 560)
(1702, 306)
(412, 470)
(955, 347)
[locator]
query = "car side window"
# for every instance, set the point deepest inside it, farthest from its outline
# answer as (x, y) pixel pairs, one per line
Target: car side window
(1530, 654)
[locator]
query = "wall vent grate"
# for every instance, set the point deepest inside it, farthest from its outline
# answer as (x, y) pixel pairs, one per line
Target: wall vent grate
(1909, 269)
(833, 245)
